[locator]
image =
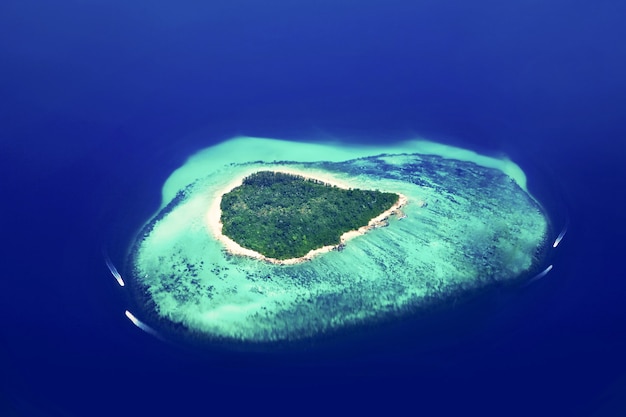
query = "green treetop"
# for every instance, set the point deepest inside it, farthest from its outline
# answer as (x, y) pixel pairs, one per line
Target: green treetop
(284, 216)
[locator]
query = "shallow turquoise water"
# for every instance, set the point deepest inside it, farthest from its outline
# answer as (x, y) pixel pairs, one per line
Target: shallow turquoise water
(469, 224)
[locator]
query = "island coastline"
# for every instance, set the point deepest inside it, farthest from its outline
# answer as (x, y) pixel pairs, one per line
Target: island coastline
(214, 223)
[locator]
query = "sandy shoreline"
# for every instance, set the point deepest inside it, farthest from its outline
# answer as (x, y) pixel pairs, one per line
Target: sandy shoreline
(214, 224)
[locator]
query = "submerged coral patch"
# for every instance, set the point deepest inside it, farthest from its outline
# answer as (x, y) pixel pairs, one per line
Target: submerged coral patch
(468, 223)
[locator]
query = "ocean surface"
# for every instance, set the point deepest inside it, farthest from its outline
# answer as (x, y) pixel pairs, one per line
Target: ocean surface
(101, 101)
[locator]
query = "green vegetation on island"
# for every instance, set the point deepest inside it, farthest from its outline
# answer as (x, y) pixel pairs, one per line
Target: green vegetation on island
(284, 216)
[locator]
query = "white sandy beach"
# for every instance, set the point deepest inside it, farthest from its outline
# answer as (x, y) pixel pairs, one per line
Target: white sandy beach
(214, 224)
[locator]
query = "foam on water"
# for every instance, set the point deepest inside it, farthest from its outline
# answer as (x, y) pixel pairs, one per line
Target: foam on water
(470, 222)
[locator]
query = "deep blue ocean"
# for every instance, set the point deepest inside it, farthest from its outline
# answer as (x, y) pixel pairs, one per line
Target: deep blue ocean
(101, 100)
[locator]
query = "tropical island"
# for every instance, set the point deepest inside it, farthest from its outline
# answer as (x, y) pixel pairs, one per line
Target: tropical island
(471, 224)
(285, 216)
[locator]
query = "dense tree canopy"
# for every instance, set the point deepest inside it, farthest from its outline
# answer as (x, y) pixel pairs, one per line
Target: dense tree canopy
(285, 216)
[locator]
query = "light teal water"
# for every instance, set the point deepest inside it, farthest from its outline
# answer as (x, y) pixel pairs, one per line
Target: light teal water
(469, 223)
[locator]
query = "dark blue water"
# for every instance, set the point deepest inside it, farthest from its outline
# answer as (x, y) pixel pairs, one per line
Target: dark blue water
(100, 101)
